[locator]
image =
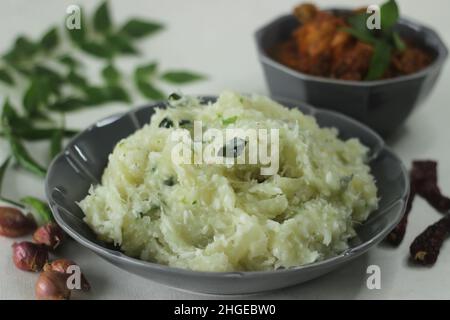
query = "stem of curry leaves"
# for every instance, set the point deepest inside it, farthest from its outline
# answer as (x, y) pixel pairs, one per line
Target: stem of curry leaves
(3, 168)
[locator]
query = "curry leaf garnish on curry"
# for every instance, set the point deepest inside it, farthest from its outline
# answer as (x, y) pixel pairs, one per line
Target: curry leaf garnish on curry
(339, 45)
(55, 80)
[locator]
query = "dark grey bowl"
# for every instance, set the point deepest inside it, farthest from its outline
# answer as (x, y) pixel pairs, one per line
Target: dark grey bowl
(383, 105)
(85, 157)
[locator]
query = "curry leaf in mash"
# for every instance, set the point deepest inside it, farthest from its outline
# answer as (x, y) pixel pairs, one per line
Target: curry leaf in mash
(94, 95)
(15, 121)
(23, 158)
(398, 42)
(166, 123)
(34, 96)
(69, 61)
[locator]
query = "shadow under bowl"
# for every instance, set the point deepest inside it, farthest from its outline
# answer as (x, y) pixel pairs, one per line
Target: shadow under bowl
(84, 159)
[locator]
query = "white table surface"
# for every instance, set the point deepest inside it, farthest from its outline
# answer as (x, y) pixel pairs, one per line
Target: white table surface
(216, 38)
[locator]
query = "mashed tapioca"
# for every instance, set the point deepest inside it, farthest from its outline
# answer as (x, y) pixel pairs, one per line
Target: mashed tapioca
(219, 217)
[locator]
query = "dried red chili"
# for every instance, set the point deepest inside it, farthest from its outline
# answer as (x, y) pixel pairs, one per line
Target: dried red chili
(424, 177)
(395, 237)
(425, 248)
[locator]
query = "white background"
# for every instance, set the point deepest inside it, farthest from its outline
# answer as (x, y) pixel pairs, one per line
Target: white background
(216, 38)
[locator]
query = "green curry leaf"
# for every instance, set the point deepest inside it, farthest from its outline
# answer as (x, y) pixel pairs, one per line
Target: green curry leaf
(181, 76)
(50, 40)
(389, 14)
(102, 19)
(383, 42)
(3, 168)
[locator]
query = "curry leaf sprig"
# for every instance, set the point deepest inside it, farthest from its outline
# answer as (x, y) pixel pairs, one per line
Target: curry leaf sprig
(384, 41)
(49, 75)
(146, 75)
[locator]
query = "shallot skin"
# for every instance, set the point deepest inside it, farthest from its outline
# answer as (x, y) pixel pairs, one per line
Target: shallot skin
(61, 265)
(29, 256)
(52, 285)
(50, 235)
(13, 223)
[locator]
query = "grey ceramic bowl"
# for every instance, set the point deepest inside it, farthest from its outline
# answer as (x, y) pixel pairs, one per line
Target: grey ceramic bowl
(383, 105)
(84, 159)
